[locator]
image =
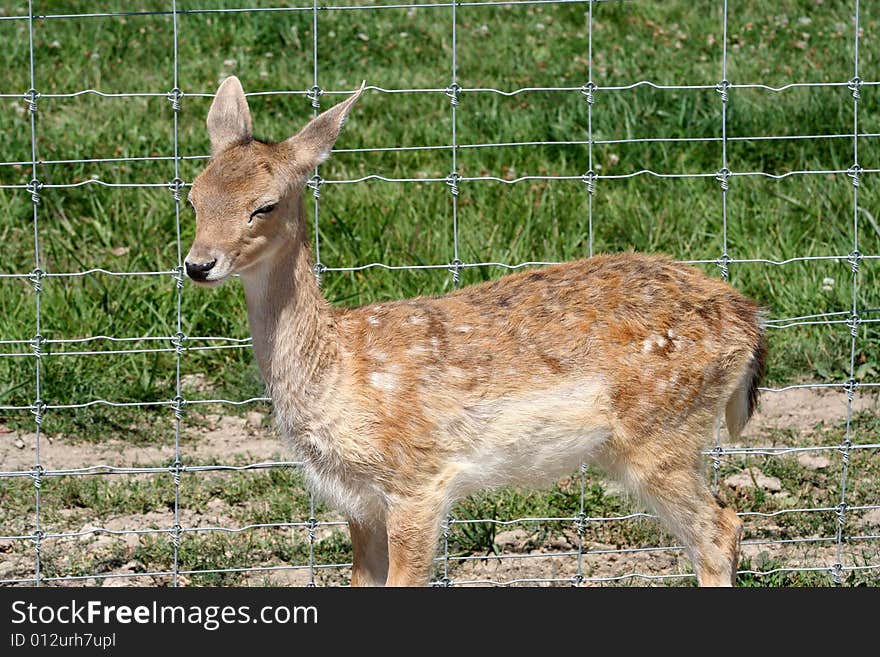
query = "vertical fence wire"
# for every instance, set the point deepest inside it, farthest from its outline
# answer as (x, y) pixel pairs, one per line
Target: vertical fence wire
(176, 188)
(36, 279)
(316, 192)
(455, 264)
(588, 91)
(854, 260)
(723, 177)
(454, 177)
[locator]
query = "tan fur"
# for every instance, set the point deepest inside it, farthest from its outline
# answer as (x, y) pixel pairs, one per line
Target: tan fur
(398, 409)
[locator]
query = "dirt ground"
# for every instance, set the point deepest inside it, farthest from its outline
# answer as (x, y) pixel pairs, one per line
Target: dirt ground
(249, 439)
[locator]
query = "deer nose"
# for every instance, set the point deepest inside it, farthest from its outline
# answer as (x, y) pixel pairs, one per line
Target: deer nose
(199, 271)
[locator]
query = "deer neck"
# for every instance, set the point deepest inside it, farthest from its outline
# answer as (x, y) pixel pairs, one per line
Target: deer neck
(293, 331)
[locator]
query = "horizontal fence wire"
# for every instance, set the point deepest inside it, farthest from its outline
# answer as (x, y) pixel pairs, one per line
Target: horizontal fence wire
(41, 347)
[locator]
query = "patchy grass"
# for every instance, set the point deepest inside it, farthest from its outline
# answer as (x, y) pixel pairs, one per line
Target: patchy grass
(238, 500)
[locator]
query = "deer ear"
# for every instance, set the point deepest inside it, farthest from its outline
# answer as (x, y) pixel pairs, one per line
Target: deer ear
(312, 145)
(229, 119)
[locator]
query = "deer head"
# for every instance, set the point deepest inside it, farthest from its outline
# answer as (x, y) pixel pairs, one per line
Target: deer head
(246, 199)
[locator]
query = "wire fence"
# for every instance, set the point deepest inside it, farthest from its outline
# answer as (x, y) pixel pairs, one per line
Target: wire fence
(181, 344)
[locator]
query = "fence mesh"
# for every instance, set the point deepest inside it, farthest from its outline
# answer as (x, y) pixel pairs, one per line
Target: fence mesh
(575, 571)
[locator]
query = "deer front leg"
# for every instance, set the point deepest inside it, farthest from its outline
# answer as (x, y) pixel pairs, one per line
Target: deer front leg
(369, 543)
(413, 530)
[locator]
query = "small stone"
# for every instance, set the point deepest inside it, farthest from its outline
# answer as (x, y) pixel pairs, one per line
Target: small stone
(363, 36)
(230, 63)
(255, 419)
(9, 568)
(558, 543)
(752, 476)
(813, 461)
(871, 518)
(120, 250)
(19, 443)
(514, 539)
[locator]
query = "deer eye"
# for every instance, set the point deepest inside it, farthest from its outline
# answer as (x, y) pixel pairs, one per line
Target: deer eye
(266, 209)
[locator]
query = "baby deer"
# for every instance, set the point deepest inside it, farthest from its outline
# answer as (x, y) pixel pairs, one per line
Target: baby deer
(399, 409)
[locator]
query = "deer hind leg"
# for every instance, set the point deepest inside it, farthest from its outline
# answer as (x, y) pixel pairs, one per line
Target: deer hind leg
(674, 488)
(369, 543)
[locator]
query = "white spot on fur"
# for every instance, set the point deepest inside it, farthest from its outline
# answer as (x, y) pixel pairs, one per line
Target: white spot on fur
(383, 380)
(416, 319)
(457, 373)
(373, 320)
(464, 328)
(653, 342)
(417, 350)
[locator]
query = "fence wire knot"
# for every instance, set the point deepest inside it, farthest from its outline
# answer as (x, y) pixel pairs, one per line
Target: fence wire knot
(175, 532)
(588, 90)
(452, 180)
(836, 572)
(854, 259)
(34, 187)
(177, 273)
(577, 580)
(717, 453)
(850, 388)
(177, 340)
(314, 183)
(854, 172)
(854, 86)
(37, 475)
(314, 94)
(37, 345)
(840, 512)
(722, 89)
(38, 408)
(176, 185)
(843, 450)
(36, 279)
(724, 265)
(454, 268)
(174, 97)
(580, 524)
(853, 324)
(312, 525)
(589, 179)
(175, 469)
(452, 91)
(38, 542)
(723, 176)
(319, 270)
(30, 97)
(177, 404)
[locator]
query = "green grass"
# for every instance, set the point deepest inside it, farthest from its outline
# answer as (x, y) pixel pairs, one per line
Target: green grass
(501, 47)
